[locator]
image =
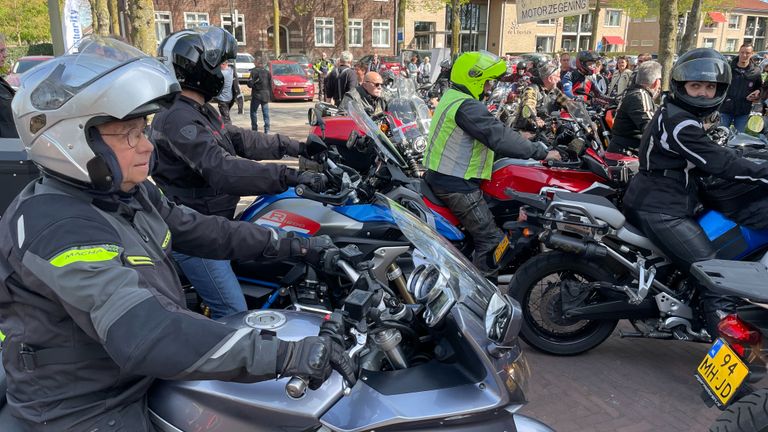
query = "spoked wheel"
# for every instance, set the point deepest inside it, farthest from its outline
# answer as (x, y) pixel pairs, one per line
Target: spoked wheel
(537, 286)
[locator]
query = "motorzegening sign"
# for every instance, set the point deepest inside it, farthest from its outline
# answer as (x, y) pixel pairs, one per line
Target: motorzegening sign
(538, 10)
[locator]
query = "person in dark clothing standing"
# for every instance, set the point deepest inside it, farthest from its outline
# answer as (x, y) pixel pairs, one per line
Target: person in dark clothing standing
(636, 109)
(375, 64)
(206, 165)
(7, 128)
(662, 197)
(261, 93)
(342, 79)
(463, 139)
(90, 302)
(744, 90)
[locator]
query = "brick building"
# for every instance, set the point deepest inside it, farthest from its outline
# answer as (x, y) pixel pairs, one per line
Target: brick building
(306, 26)
(724, 31)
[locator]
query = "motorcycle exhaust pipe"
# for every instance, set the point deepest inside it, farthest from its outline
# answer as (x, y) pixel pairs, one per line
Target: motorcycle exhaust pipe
(574, 245)
(389, 342)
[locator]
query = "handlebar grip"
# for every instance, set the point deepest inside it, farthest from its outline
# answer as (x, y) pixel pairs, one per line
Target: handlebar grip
(296, 387)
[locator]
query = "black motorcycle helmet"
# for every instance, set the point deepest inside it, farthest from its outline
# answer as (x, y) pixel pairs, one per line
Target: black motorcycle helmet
(541, 70)
(582, 60)
(196, 55)
(700, 64)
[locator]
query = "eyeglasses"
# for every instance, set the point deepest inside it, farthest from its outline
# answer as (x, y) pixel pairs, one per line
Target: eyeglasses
(375, 84)
(133, 136)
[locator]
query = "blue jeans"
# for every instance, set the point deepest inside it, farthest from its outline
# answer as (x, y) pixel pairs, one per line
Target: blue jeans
(255, 104)
(739, 121)
(216, 283)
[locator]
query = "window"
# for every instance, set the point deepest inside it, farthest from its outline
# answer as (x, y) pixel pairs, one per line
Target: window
(650, 19)
(424, 35)
(709, 43)
(613, 18)
(195, 19)
(734, 21)
(647, 43)
(380, 33)
(637, 20)
(731, 45)
(634, 42)
(549, 22)
(226, 22)
(474, 25)
(546, 43)
(355, 37)
(163, 25)
(324, 32)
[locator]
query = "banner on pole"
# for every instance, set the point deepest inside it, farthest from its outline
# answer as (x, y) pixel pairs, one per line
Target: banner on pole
(539, 10)
(76, 22)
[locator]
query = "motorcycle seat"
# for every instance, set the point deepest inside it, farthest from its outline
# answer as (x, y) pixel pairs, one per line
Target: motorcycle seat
(597, 206)
(505, 162)
(635, 237)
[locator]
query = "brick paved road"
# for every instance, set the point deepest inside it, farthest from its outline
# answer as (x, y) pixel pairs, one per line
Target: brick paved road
(624, 385)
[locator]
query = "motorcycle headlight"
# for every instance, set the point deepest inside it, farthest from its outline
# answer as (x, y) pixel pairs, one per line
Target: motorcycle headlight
(420, 144)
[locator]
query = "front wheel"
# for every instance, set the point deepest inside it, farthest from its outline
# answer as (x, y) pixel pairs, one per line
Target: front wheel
(749, 414)
(537, 284)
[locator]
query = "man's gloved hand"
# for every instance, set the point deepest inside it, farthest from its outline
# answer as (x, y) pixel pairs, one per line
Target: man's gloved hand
(316, 181)
(314, 358)
(316, 249)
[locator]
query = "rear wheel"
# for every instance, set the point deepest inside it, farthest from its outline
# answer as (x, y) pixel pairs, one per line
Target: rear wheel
(749, 414)
(537, 284)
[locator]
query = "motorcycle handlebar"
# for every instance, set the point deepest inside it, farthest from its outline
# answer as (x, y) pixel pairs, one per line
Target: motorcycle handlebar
(333, 199)
(296, 387)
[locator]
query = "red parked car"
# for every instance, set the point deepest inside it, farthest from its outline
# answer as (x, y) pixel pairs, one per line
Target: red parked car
(22, 65)
(289, 81)
(392, 63)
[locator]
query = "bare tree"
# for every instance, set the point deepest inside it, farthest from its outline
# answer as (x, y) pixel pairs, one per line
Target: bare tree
(402, 5)
(276, 27)
(691, 32)
(100, 17)
(668, 28)
(114, 17)
(141, 15)
(455, 26)
(345, 24)
(595, 22)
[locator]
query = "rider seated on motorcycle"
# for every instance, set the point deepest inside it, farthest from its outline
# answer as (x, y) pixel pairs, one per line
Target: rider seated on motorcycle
(90, 303)
(207, 166)
(463, 138)
(540, 98)
(661, 198)
(636, 109)
(368, 94)
(580, 83)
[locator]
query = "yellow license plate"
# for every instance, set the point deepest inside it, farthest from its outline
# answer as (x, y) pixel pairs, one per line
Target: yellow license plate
(721, 372)
(295, 90)
(501, 248)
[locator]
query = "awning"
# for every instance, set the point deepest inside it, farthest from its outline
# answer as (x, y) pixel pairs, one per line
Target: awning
(717, 17)
(613, 40)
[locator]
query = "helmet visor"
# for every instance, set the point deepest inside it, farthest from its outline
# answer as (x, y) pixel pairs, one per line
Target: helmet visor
(702, 69)
(63, 77)
(219, 45)
(486, 60)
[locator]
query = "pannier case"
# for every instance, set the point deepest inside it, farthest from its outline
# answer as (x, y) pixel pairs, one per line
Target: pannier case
(16, 170)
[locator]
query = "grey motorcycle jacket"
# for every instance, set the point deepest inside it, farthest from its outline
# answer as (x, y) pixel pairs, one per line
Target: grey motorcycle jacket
(93, 310)
(208, 166)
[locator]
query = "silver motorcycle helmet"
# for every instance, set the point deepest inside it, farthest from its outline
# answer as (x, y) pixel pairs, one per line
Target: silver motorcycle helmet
(60, 102)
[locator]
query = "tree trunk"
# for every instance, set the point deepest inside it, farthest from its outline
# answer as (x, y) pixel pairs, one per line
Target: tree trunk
(595, 24)
(276, 27)
(345, 23)
(402, 4)
(141, 14)
(691, 28)
(455, 26)
(667, 38)
(100, 15)
(114, 17)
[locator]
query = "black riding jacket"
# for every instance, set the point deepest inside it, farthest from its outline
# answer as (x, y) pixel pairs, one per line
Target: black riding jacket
(7, 126)
(208, 166)
(745, 81)
(93, 310)
(634, 113)
(674, 146)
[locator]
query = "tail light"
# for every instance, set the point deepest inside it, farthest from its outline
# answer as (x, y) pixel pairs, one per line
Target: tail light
(740, 335)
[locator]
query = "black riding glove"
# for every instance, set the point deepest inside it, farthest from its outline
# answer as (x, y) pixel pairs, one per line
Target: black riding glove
(315, 181)
(314, 250)
(313, 358)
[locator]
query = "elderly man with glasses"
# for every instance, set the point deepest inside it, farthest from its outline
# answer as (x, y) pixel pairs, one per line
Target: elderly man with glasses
(369, 94)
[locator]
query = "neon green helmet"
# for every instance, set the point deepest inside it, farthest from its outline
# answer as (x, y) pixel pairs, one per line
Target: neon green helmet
(472, 69)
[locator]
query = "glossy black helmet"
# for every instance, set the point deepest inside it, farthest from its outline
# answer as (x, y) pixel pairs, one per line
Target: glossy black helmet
(583, 59)
(701, 64)
(196, 55)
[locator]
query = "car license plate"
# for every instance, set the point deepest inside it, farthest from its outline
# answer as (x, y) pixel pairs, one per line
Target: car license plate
(721, 373)
(296, 90)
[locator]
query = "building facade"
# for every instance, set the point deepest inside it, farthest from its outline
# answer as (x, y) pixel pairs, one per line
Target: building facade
(306, 26)
(724, 31)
